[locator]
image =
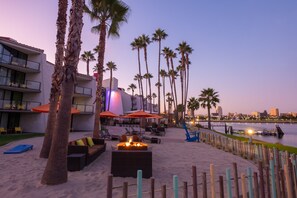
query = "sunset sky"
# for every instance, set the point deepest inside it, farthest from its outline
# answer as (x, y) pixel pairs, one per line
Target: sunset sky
(245, 50)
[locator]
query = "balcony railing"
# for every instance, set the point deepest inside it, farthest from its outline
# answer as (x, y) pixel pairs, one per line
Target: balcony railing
(18, 105)
(84, 108)
(7, 59)
(28, 84)
(83, 91)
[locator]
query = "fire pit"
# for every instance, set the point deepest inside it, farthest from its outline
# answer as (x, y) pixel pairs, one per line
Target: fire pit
(131, 145)
(130, 157)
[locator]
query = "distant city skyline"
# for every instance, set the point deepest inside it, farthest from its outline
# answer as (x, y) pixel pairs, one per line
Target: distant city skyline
(245, 50)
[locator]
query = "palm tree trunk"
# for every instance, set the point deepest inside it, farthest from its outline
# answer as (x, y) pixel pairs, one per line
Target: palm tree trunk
(102, 38)
(208, 120)
(88, 69)
(159, 93)
(170, 81)
(110, 81)
(149, 79)
(56, 167)
(174, 86)
(182, 93)
(139, 68)
(164, 95)
(56, 78)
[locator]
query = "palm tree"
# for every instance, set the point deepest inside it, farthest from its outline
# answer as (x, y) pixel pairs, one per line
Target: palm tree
(164, 74)
(56, 78)
(132, 87)
(137, 45)
(189, 50)
(148, 77)
(145, 41)
(166, 52)
(182, 48)
(174, 75)
(172, 55)
(193, 104)
(111, 66)
(110, 14)
(87, 56)
(208, 99)
(56, 168)
(158, 36)
(169, 100)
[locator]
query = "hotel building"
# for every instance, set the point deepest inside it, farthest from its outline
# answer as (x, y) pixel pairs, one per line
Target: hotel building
(25, 82)
(274, 112)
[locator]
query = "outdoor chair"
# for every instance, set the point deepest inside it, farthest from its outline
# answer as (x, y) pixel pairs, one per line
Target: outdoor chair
(18, 130)
(191, 136)
(104, 133)
(3, 130)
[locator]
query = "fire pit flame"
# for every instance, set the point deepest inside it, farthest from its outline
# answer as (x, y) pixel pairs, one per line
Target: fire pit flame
(130, 145)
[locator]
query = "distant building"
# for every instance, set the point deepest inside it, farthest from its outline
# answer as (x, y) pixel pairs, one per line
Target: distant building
(255, 114)
(219, 111)
(274, 112)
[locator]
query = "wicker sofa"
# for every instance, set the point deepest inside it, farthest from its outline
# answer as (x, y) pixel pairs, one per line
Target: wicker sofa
(91, 152)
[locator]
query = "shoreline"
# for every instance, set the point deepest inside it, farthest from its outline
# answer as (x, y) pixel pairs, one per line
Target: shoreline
(253, 121)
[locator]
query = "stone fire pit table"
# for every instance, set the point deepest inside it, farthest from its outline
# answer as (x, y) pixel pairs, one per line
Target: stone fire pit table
(125, 163)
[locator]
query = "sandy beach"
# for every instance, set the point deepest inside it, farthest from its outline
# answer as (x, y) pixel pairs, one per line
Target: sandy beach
(21, 173)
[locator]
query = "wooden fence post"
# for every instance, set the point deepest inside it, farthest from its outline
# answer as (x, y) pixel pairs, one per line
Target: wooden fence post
(175, 186)
(185, 190)
(267, 181)
(256, 185)
(163, 191)
(235, 175)
(229, 187)
(194, 178)
(109, 186)
(243, 186)
(139, 184)
(212, 181)
(288, 182)
(250, 182)
(261, 177)
(221, 186)
(204, 185)
(272, 176)
(152, 187)
(125, 190)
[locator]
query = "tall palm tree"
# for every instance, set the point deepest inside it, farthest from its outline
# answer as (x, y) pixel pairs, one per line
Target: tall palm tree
(166, 52)
(148, 77)
(110, 14)
(158, 36)
(111, 66)
(56, 168)
(189, 51)
(181, 76)
(164, 74)
(88, 56)
(137, 45)
(145, 41)
(172, 55)
(169, 100)
(132, 87)
(193, 104)
(208, 99)
(154, 96)
(56, 78)
(182, 48)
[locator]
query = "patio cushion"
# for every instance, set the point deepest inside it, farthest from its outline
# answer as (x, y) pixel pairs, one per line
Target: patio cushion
(80, 142)
(90, 141)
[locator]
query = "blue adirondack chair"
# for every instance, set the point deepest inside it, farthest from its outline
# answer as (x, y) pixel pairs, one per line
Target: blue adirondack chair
(191, 136)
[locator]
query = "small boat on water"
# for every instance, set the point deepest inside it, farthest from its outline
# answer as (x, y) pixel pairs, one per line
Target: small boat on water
(277, 132)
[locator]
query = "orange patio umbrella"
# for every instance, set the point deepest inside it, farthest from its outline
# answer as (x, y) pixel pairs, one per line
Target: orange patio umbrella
(139, 114)
(108, 114)
(45, 109)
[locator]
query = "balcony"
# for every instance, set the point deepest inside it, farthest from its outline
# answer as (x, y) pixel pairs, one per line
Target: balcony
(17, 106)
(19, 64)
(82, 92)
(84, 109)
(28, 86)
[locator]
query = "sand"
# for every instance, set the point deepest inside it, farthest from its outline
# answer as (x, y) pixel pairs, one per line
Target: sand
(21, 173)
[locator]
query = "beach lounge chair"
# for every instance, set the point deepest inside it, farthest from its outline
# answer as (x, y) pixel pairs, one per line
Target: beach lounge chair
(191, 136)
(19, 149)
(3, 130)
(18, 130)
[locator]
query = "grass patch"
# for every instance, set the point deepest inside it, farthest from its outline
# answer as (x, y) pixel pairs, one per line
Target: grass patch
(5, 139)
(279, 146)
